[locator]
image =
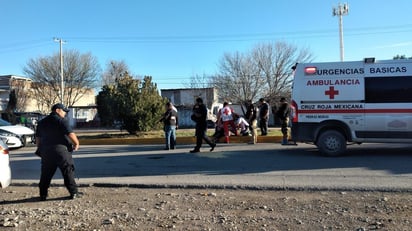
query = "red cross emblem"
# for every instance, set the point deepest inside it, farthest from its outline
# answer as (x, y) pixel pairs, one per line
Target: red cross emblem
(226, 111)
(331, 92)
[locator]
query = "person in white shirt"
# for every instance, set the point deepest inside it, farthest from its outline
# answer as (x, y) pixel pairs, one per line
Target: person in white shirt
(242, 124)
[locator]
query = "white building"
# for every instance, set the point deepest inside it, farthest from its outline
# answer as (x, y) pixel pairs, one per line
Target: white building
(83, 111)
(184, 99)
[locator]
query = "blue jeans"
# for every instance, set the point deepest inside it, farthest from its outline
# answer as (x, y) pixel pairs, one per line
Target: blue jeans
(170, 135)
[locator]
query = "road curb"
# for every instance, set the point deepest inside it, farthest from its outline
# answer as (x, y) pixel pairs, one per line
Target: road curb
(19, 183)
(179, 140)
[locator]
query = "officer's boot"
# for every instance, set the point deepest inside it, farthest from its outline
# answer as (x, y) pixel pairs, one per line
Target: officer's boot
(284, 140)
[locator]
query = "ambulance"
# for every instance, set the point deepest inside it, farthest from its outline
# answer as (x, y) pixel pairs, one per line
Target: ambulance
(340, 103)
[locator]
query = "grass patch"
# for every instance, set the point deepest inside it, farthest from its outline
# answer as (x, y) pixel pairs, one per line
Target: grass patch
(155, 134)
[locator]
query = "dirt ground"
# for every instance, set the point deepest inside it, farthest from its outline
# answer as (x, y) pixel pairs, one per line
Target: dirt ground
(126, 208)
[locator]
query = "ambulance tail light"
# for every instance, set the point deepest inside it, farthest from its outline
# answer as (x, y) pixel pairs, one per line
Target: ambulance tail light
(294, 111)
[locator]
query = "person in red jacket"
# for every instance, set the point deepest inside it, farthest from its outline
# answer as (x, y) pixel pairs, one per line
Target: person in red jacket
(226, 114)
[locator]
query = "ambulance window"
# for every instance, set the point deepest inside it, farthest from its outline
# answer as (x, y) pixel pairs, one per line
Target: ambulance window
(388, 90)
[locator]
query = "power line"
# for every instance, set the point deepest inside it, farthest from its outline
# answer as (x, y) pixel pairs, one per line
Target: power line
(243, 37)
(323, 33)
(24, 46)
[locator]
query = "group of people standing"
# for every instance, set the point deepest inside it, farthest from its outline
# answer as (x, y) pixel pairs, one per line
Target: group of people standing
(227, 122)
(283, 113)
(171, 122)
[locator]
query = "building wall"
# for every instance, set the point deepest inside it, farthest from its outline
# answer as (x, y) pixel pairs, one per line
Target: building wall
(88, 99)
(187, 96)
(4, 99)
(184, 99)
(83, 110)
(17, 83)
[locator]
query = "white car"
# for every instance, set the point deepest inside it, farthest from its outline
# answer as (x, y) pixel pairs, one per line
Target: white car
(15, 136)
(5, 171)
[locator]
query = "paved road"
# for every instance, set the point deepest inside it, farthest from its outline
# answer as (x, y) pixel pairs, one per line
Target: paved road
(267, 166)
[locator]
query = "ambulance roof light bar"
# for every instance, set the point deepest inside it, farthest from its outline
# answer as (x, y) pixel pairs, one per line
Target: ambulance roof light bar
(310, 70)
(369, 60)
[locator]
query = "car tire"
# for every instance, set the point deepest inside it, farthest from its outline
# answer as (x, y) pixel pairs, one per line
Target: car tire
(331, 143)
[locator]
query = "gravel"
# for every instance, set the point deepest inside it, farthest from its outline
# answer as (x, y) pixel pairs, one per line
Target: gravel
(128, 208)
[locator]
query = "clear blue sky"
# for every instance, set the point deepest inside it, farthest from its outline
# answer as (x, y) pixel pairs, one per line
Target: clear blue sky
(172, 40)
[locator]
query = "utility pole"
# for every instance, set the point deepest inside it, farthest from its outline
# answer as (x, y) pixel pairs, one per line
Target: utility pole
(59, 40)
(340, 11)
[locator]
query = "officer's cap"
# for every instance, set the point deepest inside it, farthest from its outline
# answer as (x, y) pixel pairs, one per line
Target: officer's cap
(60, 106)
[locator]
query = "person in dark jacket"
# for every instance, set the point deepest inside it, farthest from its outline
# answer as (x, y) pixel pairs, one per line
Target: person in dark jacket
(263, 116)
(171, 121)
(283, 114)
(199, 116)
(251, 116)
(55, 143)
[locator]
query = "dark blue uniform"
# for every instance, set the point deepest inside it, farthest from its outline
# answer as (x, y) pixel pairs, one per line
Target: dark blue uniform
(199, 116)
(56, 152)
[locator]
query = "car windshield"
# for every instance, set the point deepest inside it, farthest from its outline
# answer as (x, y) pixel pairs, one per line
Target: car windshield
(4, 123)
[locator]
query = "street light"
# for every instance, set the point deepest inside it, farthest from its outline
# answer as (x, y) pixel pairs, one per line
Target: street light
(59, 40)
(340, 11)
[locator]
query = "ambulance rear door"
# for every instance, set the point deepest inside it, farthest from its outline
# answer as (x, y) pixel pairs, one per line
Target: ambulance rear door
(388, 101)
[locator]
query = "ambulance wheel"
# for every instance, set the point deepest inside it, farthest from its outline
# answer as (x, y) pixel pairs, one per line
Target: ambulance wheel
(331, 143)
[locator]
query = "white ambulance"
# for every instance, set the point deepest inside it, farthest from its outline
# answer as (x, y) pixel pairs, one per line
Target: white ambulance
(338, 103)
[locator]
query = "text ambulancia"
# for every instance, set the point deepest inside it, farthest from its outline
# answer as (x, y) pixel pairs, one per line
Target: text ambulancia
(352, 102)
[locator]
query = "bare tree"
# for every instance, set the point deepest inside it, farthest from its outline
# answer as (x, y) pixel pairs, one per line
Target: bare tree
(114, 70)
(198, 81)
(238, 79)
(80, 72)
(80, 75)
(21, 87)
(275, 62)
(263, 72)
(45, 96)
(401, 57)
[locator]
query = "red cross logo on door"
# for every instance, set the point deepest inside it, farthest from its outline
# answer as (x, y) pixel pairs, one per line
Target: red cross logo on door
(331, 92)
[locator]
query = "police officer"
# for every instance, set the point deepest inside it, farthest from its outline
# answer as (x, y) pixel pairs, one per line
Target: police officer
(263, 116)
(251, 115)
(200, 117)
(55, 142)
(283, 114)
